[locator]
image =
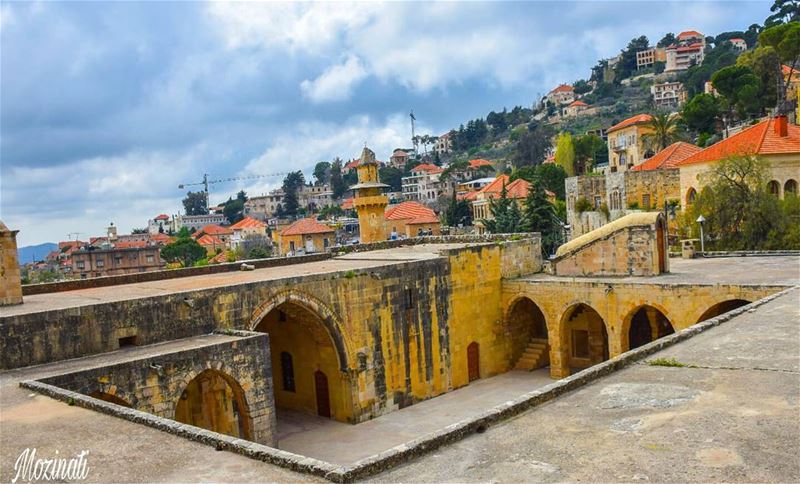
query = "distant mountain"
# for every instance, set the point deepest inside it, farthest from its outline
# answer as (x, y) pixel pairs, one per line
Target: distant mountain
(31, 253)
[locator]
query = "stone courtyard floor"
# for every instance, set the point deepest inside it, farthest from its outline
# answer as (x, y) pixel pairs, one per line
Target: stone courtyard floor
(342, 443)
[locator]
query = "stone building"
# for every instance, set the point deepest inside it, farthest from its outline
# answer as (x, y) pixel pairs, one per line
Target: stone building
(246, 228)
(775, 140)
(10, 282)
(306, 236)
(409, 219)
(423, 185)
(309, 197)
(97, 262)
(668, 95)
(369, 201)
(562, 94)
(197, 222)
(688, 50)
(626, 146)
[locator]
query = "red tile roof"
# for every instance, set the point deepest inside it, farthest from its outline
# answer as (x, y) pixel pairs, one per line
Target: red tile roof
(633, 120)
(577, 103)
(213, 229)
(425, 219)
(138, 244)
(161, 238)
(669, 156)
(209, 240)
(219, 258)
(352, 165)
(163, 216)
(760, 139)
(517, 189)
(786, 70)
(399, 152)
(306, 226)
(479, 163)
(408, 211)
(347, 204)
(247, 223)
(689, 33)
(427, 167)
(562, 88)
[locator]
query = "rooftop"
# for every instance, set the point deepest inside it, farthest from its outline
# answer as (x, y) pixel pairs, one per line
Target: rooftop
(632, 121)
(306, 226)
(669, 156)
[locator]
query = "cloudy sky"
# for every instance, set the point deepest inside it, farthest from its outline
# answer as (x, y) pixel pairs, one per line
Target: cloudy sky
(106, 107)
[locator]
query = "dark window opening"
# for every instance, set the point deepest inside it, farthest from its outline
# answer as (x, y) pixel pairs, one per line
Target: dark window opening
(287, 372)
(409, 298)
(580, 343)
(281, 316)
(127, 341)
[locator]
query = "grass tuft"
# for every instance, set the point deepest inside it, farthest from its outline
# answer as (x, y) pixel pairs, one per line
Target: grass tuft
(666, 362)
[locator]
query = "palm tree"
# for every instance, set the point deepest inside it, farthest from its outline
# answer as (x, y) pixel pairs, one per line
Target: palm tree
(666, 129)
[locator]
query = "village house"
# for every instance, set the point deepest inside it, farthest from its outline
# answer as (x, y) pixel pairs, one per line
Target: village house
(775, 140)
(668, 95)
(688, 50)
(247, 228)
(214, 238)
(305, 236)
(626, 147)
(647, 58)
(738, 44)
(91, 261)
(161, 224)
(481, 199)
(398, 159)
(423, 184)
(575, 109)
(410, 219)
(443, 145)
(309, 197)
(563, 94)
(198, 221)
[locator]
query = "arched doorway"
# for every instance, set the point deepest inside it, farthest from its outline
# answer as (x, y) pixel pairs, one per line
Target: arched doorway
(107, 397)
(661, 245)
(473, 361)
(722, 308)
(305, 362)
(774, 188)
(691, 196)
(528, 338)
(584, 339)
(644, 325)
(215, 401)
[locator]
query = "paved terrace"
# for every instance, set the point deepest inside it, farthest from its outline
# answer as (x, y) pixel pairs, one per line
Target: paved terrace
(360, 260)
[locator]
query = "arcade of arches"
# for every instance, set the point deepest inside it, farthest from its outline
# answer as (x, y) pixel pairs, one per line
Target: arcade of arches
(306, 371)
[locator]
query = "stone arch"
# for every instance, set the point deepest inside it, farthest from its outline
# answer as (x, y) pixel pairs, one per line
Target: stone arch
(212, 399)
(582, 341)
(643, 324)
(327, 316)
(305, 328)
(528, 335)
(721, 308)
(691, 196)
(790, 187)
(774, 188)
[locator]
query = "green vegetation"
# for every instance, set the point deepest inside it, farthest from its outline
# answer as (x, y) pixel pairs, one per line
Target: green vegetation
(565, 153)
(233, 209)
(350, 274)
(671, 362)
(185, 250)
(195, 203)
(458, 212)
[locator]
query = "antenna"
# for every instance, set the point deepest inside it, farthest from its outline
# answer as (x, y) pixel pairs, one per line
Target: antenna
(413, 133)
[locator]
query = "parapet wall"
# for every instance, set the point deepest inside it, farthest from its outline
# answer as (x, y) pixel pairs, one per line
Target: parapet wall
(155, 384)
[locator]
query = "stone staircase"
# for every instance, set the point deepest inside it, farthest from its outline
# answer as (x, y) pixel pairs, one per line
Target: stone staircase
(536, 355)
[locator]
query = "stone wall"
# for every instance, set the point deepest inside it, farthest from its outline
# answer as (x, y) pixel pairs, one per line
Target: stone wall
(156, 384)
(631, 251)
(10, 285)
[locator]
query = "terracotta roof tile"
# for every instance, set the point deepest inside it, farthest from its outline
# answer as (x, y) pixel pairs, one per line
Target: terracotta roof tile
(213, 229)
(209, 240)
(562, 88)
(577, 103)
(760, 139)
(633, 120)
(689, 33)
(306, 226)
(347, 204)
(163, 216)
(425, 219)
(247, 223)
(408, 210)
(427, 167)
(669, 156)
(479, 163)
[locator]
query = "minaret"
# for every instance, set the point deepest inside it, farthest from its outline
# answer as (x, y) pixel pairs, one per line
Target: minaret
(370, 202)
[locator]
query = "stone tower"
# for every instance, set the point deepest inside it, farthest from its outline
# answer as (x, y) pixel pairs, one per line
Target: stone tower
(370, 202)
(10, 282)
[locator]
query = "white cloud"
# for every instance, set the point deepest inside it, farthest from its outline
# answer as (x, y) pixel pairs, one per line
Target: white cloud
(336, 83)
(312, 142)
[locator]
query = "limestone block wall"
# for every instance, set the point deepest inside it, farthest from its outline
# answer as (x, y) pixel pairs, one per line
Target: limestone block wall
(10, 282)
(631, 251)
(156, 384)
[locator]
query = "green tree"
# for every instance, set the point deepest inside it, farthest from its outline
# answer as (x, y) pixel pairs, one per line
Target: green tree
(533, 145)
(458, 212)
(391, 176)
(551, 177)
(667, 40)
(195, 203)
(588, 149)
(701, 113)
(185, 250)
(627, 61)
(785, 40)
(539, 215)
(233, 210)
(739, 86)
(565, 153)
(291, 185)
(665, 129)
(783, 11)
(337, 182)
(507, 217)
(765, 64)
(139, 231)
(322, 173)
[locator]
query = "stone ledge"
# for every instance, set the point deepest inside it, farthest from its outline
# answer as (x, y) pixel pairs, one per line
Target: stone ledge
(433, 239)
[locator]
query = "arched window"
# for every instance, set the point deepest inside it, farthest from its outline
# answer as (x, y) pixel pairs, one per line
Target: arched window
(774, 188)
(790, 188)
(691, 195)
(287, 371)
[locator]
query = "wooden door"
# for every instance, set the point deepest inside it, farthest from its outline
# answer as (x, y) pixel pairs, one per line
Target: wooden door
(323, 398)
(473, 361)
(660, 247)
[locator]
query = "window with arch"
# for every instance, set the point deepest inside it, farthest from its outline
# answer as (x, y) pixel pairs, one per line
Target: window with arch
(774, 188)
(691, 196)
(287, 372)
(790, 188)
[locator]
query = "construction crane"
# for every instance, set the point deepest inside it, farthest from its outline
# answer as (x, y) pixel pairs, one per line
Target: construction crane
(206, 182)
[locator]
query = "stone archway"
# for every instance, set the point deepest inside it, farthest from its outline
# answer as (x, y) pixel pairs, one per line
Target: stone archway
(721, 308)
(642, 325)
(583, 340)
(304, 344)
(526, 327)
(215, 401)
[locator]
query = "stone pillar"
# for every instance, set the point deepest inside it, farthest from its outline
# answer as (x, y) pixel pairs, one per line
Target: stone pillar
(10, 281)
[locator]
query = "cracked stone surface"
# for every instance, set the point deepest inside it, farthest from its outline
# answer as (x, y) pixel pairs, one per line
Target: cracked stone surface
(639, 395)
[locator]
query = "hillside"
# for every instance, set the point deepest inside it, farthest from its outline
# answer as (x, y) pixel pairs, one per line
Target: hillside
(34, 253)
